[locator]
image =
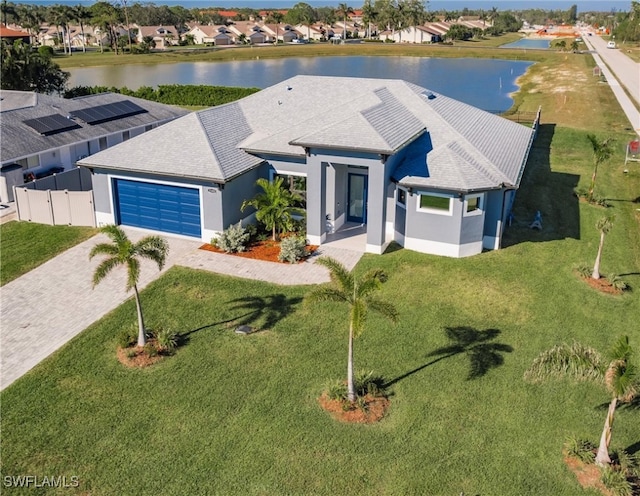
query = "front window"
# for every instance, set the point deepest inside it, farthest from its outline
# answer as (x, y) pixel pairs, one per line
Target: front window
(473, 204)
(435, 203)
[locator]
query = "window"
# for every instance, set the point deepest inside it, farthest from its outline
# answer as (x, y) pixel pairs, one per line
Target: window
(401, 197)
(435, 203)
(473, 204)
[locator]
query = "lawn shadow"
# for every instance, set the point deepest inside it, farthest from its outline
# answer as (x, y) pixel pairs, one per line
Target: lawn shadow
(184, 337)
(264, 312)
(551, 193)
(633, 449)
(483, 355)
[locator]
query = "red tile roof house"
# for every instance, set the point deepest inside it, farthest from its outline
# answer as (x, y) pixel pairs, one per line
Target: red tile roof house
(394, 159)
(12, 35)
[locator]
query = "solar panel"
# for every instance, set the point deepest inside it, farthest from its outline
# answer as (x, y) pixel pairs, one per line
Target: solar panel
(51, 124)
(108, 112)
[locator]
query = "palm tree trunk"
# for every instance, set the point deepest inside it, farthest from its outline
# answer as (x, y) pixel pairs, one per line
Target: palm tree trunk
(592, 186)
(602, 458)
(142, 339)
(274, 232)
(596, 267)
(351, 388)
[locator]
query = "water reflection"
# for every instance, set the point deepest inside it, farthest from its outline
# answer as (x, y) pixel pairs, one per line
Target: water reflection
(484, 83)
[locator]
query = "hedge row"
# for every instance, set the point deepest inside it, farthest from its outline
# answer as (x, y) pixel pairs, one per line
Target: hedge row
(172, 94)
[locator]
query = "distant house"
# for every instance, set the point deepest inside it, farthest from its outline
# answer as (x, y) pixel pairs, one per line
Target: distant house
(40, 132)
(11, 35)
(163, 36)
(406, 164)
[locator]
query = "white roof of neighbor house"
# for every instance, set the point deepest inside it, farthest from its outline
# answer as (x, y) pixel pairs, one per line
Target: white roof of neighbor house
(450, 144)
(20, 140)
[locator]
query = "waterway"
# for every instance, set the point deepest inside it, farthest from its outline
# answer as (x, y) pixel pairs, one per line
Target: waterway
(484, 83)
(526, 43)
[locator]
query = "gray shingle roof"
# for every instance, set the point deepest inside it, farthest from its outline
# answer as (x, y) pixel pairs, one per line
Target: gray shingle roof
(19, 140)
(462, 147)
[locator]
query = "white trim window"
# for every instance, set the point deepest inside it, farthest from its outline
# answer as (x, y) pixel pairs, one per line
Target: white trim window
(473, 204)
(435, 203)
(401, 197)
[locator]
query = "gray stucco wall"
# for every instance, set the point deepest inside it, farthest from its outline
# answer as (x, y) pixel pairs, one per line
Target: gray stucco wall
(235, 192)
(472, 227)
(101, 200)
(431, 226)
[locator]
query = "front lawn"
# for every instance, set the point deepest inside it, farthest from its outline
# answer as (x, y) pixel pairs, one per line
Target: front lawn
(25, 245)
(233, 414)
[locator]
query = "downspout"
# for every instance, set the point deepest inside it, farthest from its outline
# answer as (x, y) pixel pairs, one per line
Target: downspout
(500, 231)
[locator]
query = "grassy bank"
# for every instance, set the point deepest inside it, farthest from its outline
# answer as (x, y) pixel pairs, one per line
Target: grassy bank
(25, 245)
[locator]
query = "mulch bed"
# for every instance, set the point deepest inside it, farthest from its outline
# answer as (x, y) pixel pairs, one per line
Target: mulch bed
(140, 359)
(375, 409)
(602, 285)
(261, 250)
(588, 474)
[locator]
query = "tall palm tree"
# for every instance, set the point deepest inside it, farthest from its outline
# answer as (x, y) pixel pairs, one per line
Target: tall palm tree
(344, 10)
(82, 15)
(602, 151)
(277, 19)
(121, 251)
(275, 207)
(616, 373)
(603, 225)
(357, 294)
(369, 15)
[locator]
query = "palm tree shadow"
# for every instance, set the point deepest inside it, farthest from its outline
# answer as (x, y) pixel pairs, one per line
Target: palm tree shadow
(185, 335)
(483, 355)
(264, 312)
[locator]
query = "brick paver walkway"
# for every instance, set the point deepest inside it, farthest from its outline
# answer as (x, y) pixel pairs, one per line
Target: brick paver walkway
(45, 308)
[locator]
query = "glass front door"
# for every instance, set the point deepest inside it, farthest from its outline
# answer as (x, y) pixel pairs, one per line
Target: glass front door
(357, 192)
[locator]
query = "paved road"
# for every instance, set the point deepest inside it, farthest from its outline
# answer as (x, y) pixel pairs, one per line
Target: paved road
(45, 308)
(619, 70)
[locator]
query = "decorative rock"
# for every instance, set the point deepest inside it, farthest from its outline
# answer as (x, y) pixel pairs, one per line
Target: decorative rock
(244, 330)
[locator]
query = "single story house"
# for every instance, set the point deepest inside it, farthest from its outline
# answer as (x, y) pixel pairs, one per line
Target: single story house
(407, 164)
(41, 132)
(12, 35)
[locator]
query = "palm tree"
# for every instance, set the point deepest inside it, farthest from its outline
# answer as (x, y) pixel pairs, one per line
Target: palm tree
(344, 10)
(277, 18)
(123, 252)
(581, 363)
(82, 15)
(603, 225)
(275, 207)
(357, 293)
(601, 151)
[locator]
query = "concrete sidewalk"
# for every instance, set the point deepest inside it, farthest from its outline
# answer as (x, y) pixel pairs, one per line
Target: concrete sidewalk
(45, 308)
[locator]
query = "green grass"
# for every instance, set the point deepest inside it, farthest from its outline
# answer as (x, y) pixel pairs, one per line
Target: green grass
(25, 245)
(235, 414)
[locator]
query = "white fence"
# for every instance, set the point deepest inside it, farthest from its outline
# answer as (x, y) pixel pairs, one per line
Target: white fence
(71, 206)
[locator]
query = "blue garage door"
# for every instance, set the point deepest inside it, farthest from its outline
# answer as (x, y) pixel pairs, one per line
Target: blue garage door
(159, 207)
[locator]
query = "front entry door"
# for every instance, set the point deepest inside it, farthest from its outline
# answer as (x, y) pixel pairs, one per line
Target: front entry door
(357, 192)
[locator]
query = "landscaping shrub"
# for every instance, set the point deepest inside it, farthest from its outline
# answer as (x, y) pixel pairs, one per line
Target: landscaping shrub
(166, 340)
(46, 51)
(581, 449)
(616, 481)
(128, 337)
(366, 383)
(617, 282)
(150, 350)
(233, 239)
(292, 249)
(584, 270)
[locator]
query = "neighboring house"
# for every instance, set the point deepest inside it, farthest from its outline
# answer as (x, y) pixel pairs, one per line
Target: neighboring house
(11, 35)
(413, 34)
(42, 132)
(315, 32)
(164, 36)
(432, 173)
(252, 32)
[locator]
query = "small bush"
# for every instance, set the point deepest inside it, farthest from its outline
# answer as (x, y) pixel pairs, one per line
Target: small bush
(617, 283)
(601, 202)
(128, 337)
(46, 51)
(150, 350)
(584, 270)
(131, 353)
(166, 340)
(292, 249)
(337, 390)
(616, 482)
(629, 464)
(368, 383)
(580, 448)
(233, 239)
